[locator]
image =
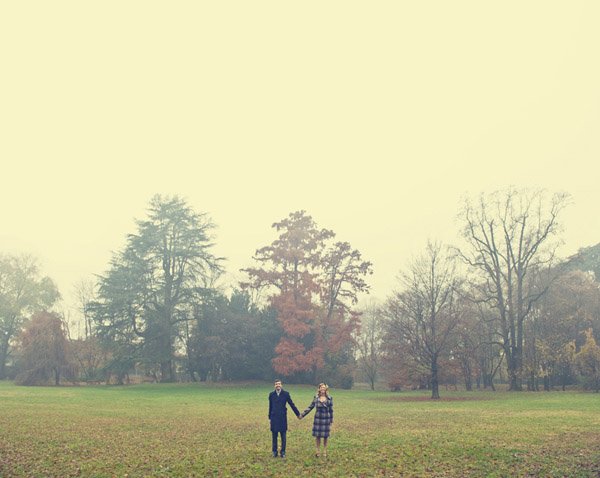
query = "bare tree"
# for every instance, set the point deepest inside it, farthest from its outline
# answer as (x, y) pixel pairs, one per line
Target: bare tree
(465, 347)
(85, 294)
(510, 234)
(86, 351)
(424, 313)
(489, 346)
(369, 342)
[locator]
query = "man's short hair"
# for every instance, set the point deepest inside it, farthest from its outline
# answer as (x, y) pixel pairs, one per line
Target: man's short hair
(277, 380)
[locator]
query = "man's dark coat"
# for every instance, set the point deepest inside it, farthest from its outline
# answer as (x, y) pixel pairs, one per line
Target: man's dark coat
(278, 410)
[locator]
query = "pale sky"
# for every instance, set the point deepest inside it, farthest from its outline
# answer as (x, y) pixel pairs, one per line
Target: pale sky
(375, 117)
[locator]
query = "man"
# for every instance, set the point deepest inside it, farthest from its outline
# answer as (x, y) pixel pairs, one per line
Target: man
(278, 415)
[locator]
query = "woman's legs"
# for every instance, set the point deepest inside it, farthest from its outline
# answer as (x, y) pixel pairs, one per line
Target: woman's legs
(318, 443)
(324, 446)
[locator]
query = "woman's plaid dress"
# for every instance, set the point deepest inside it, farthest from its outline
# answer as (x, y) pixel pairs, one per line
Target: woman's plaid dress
(323, 416)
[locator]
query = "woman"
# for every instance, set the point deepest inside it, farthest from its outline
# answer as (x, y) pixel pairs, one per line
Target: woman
(323, 417)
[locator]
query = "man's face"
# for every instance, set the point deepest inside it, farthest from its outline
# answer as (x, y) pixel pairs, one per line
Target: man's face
(278, 386)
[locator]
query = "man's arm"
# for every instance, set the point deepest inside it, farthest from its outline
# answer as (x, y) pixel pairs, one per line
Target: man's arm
(294, 408)
(270, 406)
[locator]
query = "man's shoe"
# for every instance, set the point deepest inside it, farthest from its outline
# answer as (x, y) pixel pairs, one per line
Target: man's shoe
(274, 454)
(283, 455)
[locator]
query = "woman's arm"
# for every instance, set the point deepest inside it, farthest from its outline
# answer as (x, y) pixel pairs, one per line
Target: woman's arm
(307, 411)
(331, 410)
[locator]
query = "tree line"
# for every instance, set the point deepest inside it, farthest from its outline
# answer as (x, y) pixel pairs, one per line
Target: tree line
(498, 307)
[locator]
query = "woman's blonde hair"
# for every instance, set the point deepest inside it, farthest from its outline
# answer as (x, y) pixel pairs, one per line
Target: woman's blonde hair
(326, 388)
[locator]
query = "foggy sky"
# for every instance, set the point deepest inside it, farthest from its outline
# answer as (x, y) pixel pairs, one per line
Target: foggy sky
(376, 118)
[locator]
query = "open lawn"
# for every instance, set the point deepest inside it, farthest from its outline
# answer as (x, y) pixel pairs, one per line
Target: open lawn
(222, 430)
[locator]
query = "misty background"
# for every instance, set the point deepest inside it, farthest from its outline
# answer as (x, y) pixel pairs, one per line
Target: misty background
(376, 120)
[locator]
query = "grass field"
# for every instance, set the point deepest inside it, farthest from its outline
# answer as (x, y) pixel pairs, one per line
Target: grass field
(222, 430)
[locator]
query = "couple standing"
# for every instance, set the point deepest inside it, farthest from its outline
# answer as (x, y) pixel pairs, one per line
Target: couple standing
(278, 416)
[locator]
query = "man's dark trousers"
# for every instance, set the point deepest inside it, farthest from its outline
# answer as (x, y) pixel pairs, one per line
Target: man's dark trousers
(275, 442)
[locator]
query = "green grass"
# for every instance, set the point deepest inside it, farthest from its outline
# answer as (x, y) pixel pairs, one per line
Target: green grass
(222, 430)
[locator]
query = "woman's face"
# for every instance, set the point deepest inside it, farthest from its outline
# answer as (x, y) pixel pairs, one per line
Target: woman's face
(322, 390)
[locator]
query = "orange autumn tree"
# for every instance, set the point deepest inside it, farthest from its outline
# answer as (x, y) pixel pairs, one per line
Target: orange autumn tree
(44, 350)
(313, 283)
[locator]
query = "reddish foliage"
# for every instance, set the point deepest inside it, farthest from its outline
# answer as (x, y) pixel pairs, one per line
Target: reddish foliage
(315, 285)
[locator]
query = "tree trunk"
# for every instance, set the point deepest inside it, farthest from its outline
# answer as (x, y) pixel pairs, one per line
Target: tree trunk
(488, 381)
(435, 389)
(547, 383)
(2, 368)
(467, 375)
(3, 357)
(515, 381)
(166, 371)
(531, 383)
(519, 356)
